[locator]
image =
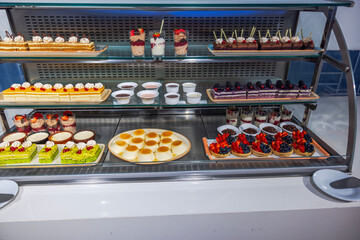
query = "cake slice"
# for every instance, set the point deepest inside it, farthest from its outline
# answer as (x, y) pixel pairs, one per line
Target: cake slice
(304, 91)
(48, 153)
(82, 153)
(14, 92)
(67, 152)
(17, 152)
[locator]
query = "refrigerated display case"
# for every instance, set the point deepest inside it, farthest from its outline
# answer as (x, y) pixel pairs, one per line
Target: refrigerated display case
(108, 24)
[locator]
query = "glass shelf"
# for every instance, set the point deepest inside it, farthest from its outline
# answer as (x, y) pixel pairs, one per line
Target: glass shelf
(195, 53)
(136, 102)
(181, 4)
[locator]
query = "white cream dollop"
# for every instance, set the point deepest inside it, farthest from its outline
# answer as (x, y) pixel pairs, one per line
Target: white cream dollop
(240, 39)
(219, 41)
(47, 86)
(81, 145)
(15, 85)
(27, 144)
(59, 39)
(49, 144)
(264, 40)
(99, 85)
(70, 144)
(250, 39)
(73, 39)
(8, 39)
(91, 143)
(89, 85)
(285, 39)
(38, 85)
(37, 39)
(19, 39)
(48, 40)
(69, 86)
(4, 145)
(275, 39)
(58, 86)
(16, 144)
(79, 86)
(295, 39)
(230, 40)
(25, 85)
(84, 40)
(307, 39)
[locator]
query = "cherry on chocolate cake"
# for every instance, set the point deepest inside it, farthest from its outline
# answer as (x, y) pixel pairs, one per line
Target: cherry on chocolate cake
(289, 85)
(269, 84)
(302, 85)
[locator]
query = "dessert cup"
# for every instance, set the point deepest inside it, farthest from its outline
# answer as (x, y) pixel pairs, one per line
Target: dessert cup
(286, 114)
(22, 123)
(38, 137)
(157, 42)
(137, 42)
(274, 116)
(246, 115)
(269, 129)
(15, 136)
(180, 42)
(122, 96)
(189, 87)
(232, 115)
(193, 97)
(52, 122)
(84, 136)
(244, 128)
(172, 98)
(68, 121)
(37, 122)
(172, 87)
(148, 96)
(130, 86)
(151, 86)
(260, 117)
(61, 137)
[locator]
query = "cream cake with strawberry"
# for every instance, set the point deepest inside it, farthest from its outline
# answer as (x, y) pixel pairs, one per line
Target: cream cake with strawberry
(137, 42)
(17, 152)
(48, 153)
(180, 42)
(68, 121)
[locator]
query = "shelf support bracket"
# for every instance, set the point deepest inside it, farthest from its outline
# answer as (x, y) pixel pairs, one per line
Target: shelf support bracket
(339, 65)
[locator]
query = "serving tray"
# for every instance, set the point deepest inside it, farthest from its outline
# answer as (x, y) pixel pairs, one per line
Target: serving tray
(319, 154)
(57, 161)
(147, 130)
(84, 54)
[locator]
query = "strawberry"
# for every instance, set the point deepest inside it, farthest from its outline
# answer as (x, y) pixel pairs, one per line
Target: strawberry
(132, 32)
(234, 42)
(19, 117)
(65, 117)
(22, 88)
(140, 30)
(156, 35)
(223, 42)
(12, 88)
(67, 113)
(301, 148)
(48, 116)
(38, 115)
(34, 119)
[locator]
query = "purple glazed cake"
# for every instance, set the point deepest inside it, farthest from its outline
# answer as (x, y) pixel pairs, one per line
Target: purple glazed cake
(272, 91)
(252, 91)
(282, 90)
(304, 91)
(293, 90)
(229, 91)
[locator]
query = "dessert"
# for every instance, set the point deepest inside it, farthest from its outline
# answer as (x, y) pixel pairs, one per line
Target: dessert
(153, 145)
(163, 153)
(246, 115)
(250, 131)
(304, 91)
(138, 142)
(130, 152)
(308, 42)
(275, 42)
(84, 136)
(157, 41)
(88, 92)
(270, 129)
(293, 90)
(139, 133)
(127, 86)
(228, 91)
(148, 96)
(16, 136)
(275, 117)
(303, 148)
(302, 135)
(17, 152)
(152, 136)
(48, 153)
(260, 149)
(119, 146)
(219, 43)
(61, 137)
(68, 121)
(240, 149)
(151, 86)
(126, 137)
(284, 136)
(285, 42)
(189, 87)
(166, 142)
(137, 42)
(290, 127)
(228, 131)
(172, 87)
(13, 44)
(286, 114)
(252, 91)
(13, 93)
(172, 98)
(67, 152)
(38, 137)
(83, 153)
(180, 42)
(168, 134)
(123, 96)
(146, 155)
(22, 123)
(52, 122)
(297, 44)
(240, 41)
(193, 97)
(264, 42)
(282, 90)
(271, 91)
(251, 42)
(260, 117)
(281, 148)
(221, 148)
(265, 138)
(246, 139)
(178, 147)
(231, 43)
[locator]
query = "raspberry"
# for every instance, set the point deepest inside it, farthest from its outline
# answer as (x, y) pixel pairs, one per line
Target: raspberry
(78, 152)
(89, 148)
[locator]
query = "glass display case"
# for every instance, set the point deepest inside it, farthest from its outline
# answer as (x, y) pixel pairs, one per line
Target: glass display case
(108, 24)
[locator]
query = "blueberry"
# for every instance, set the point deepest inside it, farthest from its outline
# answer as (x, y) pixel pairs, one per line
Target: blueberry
(250, 138)
(308, 138)
(287, 139)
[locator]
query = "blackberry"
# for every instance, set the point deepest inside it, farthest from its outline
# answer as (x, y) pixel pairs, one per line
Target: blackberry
(280, 84)
(250, 138)
(230, 140)
(309, 147)
(269, 139)
(308, 138)
(284, 148)
(268, 83)
(287, 139)
(246, 148)
(265, 148)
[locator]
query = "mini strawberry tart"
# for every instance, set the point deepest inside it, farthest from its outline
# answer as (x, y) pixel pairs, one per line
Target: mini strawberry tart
(265, 138)
(284, 136)
(303, 148)
(281, 148)
(240, 149)
(246, 139)
(260, 149)
(221, 148)
(302, 135)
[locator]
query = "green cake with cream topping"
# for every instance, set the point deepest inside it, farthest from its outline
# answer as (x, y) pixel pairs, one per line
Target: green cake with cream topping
(16, 152)
(80, 153)
(48, 153)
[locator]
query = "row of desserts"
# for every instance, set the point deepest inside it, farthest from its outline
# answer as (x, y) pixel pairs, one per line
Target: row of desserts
(17, 152)
(263, 145)
(148, 147)
(268, 42)
(47, 43)
(260, 90)
(47, 93)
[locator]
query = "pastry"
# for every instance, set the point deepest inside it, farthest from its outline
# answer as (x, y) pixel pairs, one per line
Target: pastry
(219, 44)
(260, 149)
(17, 152)
(11, 43)
(84, 153)
(168, 134)
(281, 148)
(152, 136)
(297, 44)
(52, 122)
(221, 148)
(130, 152)
(240, 41)
(138, 142)
(178, 147)
(229, 91)
(240, 149)
(119, 146)
(68, 121)
(308, 42)
(264, 42)
(265, 138)
(152, 145)
(67, 152)
(282, 89)
(137, 42)
(146, 155)
(37, 122)
(275, 42)
(246, 139)
(22, 123)
(48, 153)
(61, 137)
(293, 90)
(139, 133)
(13, 93)
(16, 136)
(84, 136)
(284, 136)
(163, 154)
(126, 137)
(304, 91)
(303, 148)
(180, 42)
(38, 137)
(302, 135)
(252, 91)
(251, 42)
(166, 142)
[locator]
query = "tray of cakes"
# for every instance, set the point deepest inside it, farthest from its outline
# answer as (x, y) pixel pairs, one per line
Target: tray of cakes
(46, 46)
(149, 146)
(275, 146)
(276, 45)
(39, 92)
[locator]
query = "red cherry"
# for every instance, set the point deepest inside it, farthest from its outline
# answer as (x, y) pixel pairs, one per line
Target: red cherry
(244, 41)
(66, 150)
(22, 88)
(22, 149)
(19, 117)
(234, 42)
(89, 148)
(65, 90)
(215, 89)
(47, 149)
(53, 89)
(33, 89)
(268, 41)
(76, 89)
(277, 41)
(78, 152)
(96, 89)
(289, 41)
(300, 41)
(254, 41)
(2, 149)
(13, 149)
(223, 42)
(42, 89)
(12, 88)
(86, 89)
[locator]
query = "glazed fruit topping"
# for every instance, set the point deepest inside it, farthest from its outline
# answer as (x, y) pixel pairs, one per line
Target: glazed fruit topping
(302, 135)
(261, 147)
(2, 149)
(246, 139)
(76, 89)
(262, 138)
(178, 31)
(66, 150)
(65, 117)
(33, 89)
(156, 35)
(19, 117)
(240, 147)
(65, 90)
(22, 88)
(281, 146)
(42, 89)
(47, 149)
(303, 146)
(78, 152)
(89, 148)
(12, 88)
(22, 149)
(53, 89)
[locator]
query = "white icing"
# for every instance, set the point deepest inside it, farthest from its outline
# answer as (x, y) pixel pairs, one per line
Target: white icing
(19, 39)
(70, 144)
(49, 144)
(69, 86)
(295, 39)
(264, 40)
(27, 144)
(275, 39)
(58, 86)
(4, 144)
(158, 46)
(59, 40)
(79, 86)
(240, 39)
(230, 40)
(285, 39)
(91, 143)
(7, 39)
(26, 85)
(37, 39)
(307, 39)
(38, 85)
(16, 144)
(37, 137)
(84, 40)
(250, 39)
(73, 39)
(47, 86)
(81, 145)
(15, 85)
(48, 40)
(99, 85)
(89, 85)
(219, 41)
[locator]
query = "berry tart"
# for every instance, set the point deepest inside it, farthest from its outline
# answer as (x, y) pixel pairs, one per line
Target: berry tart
(240, 149)
(302, 135)
(246, 139)
(281, 148)
(265, 138)
(221, 148)
(303, 148)
(284, 136)
(260, 149)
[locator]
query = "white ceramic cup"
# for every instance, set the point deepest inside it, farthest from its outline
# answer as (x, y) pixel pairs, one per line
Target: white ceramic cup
(170, 100)
(172, 87)
(189, 87)
(123, 100)
(148, 96)
(193, 97)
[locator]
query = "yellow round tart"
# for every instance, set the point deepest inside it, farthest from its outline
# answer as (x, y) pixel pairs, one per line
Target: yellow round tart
(139, 142)
(168, 134)
(119, 146)
(139, 133)
(163, 153)
(126, 137)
